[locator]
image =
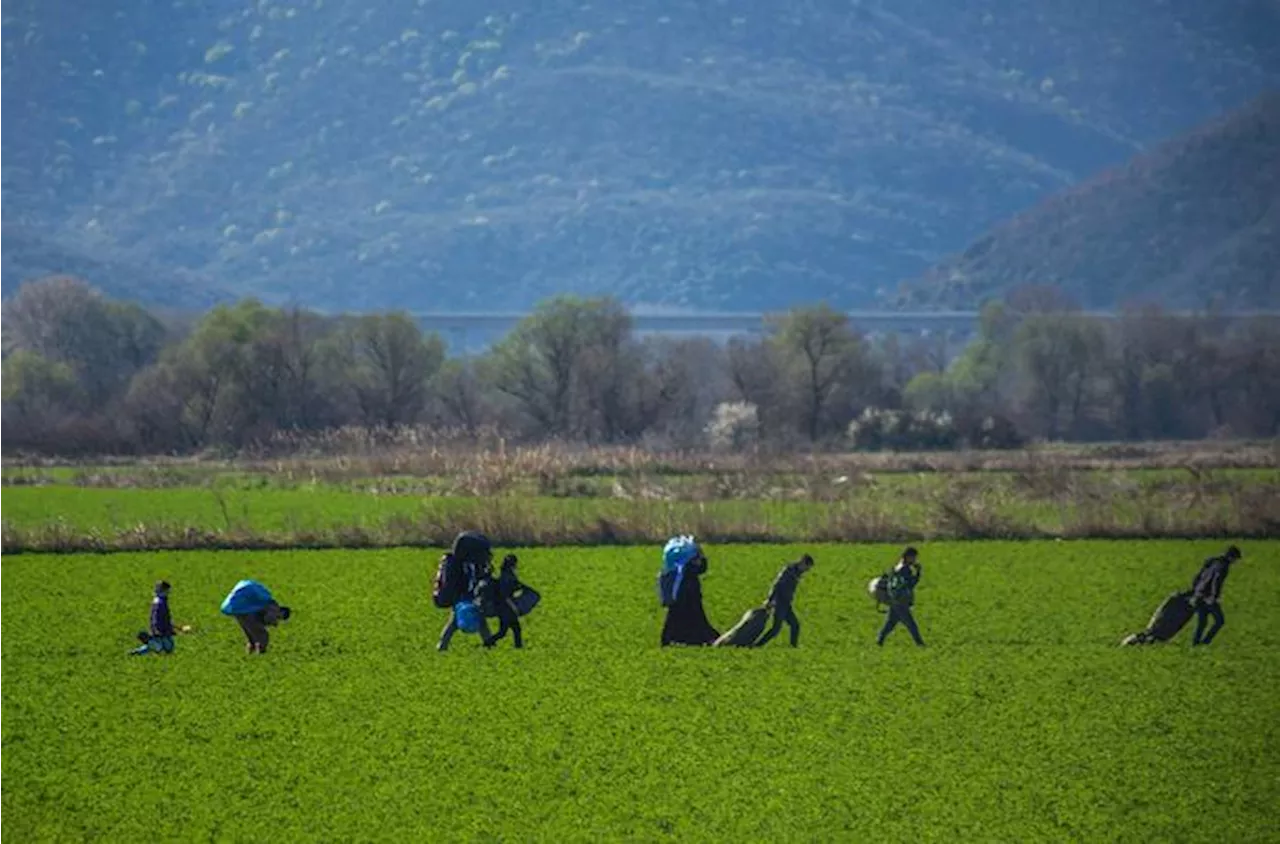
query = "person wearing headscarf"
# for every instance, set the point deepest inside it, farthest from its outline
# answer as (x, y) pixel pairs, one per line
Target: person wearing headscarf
(686, 622)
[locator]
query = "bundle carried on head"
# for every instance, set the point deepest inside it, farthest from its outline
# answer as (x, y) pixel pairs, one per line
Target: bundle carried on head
(678, 551)
(676, 554)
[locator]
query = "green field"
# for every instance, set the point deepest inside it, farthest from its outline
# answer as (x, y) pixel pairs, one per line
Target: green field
(1020, 722)
(243, 511)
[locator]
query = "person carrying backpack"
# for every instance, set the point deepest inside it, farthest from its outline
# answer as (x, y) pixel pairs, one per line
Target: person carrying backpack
(254, 609)
(680, 589)
(1206, 594)
(780, 600)
(459, 573)
(902, 585)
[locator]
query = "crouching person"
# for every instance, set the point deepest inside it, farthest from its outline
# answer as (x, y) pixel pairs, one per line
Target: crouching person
(781, 600)
(158, 637)
(254, 609)
(902, 586)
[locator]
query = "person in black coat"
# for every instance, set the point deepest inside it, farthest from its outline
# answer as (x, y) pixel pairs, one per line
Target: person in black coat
(505, 589)
(1206, 592)
(686, 622)
(782, 598)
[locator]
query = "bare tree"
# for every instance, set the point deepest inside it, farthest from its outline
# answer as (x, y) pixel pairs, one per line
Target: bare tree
(819, 346)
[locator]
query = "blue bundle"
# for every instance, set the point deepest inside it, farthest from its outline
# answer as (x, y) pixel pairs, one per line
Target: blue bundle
(246, 597)
(468, 616)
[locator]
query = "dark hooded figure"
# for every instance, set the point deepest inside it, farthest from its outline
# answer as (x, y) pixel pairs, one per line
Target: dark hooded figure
(475, 552)
(686, 622)
(1207, 594)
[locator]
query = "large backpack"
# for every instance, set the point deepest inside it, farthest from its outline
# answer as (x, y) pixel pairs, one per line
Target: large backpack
(451, 582)
(246, 597)
(878, 589)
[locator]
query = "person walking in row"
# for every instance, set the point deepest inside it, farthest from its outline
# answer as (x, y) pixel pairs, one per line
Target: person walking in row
(506, 591)
(1206, 594)
(901, 593)
(680, 590)
(459, 573)
(781, 600)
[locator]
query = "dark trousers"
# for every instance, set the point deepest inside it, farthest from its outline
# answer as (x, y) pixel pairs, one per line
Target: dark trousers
(255, 631)
(899, 613)
(507, 620)
(787, 615)
(1203, 612)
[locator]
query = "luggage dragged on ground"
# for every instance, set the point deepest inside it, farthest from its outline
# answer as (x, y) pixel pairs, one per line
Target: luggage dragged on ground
(1169, 618)
(745, 632)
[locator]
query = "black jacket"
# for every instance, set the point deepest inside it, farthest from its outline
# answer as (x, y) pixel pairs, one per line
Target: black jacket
(784, 587)
(1208, 583)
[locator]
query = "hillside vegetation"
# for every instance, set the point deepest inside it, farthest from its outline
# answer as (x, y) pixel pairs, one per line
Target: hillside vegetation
(446, 155)
(1195, 221)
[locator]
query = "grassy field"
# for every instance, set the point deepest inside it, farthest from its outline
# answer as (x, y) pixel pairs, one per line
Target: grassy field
(1022, 721)
(256, 511)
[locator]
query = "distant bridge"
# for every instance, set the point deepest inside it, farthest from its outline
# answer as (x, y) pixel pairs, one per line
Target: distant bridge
(460, 327)
(463, 327)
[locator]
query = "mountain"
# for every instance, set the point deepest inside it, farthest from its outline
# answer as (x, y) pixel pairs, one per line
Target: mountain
(1195, 221)
(30, 254)
(454, 154)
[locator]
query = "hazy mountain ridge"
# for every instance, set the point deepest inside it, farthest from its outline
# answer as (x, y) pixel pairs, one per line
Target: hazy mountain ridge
(438, 155)
(1195, 221)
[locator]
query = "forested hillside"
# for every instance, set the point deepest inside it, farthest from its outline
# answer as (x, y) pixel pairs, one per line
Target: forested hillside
(1194, 222)
(446, 155)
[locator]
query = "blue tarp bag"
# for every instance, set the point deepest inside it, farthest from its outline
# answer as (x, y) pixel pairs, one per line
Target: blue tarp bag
(678, 551)
(247, 596)
(468, 616)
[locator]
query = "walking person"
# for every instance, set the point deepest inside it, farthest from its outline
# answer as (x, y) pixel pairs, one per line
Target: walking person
(1206, 594)
(781, 600)
(686, 623)
(505, 590)
(902, 585)
(460, 572)
(158, 637)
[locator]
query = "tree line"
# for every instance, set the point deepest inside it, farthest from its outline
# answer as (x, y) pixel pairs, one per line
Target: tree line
(84, 374)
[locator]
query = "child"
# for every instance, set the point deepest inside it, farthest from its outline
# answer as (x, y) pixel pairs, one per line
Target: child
(158, 638)
(504, 592)
(781, 598)
(902, 584)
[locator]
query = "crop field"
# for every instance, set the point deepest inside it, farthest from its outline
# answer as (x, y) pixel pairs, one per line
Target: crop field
(1021, 721)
